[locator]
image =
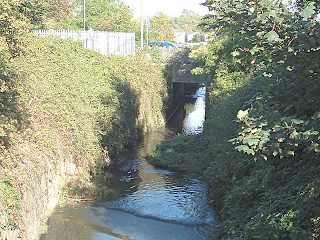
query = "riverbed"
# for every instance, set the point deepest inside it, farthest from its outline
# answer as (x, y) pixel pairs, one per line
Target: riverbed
(152, 203)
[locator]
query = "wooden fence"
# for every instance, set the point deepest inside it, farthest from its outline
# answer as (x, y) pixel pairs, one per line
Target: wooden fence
(106, 43)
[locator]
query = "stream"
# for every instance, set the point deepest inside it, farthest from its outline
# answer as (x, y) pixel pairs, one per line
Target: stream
(152, 203)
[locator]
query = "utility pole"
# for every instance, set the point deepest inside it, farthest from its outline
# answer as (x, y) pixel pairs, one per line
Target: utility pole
(142, 22)
(148, 29)
(84, 15)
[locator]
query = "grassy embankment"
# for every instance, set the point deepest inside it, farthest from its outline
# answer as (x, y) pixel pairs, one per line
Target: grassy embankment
(66, 113)
(260, 149)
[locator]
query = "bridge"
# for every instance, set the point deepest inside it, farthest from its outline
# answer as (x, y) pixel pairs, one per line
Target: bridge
(182, 77)
(183, 85)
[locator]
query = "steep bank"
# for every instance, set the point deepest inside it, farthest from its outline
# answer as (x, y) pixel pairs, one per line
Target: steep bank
(65, 113)
(260, 148)
(171, 205)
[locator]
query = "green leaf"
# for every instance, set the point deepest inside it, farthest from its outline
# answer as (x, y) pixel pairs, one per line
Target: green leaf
(251, 141)
(308, 11)
(297, 121)
(316, 148)
(290, 68)
(255, 50)
(245, 149)
(290, 49)
(235, 53)
(251, 152)
(272, 36)
(242, 114)
(242, 148)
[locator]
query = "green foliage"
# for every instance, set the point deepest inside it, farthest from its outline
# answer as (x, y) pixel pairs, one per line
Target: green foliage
(14, 23)
(261, 139)
(185, 64)
(276, 49)
(176, 154)
(161, 28)
(61, 102)
(11, 118)
(282, 137)
(10, 201)
(110, 16)
(188, 21)
(18, 17)
(103, 90)
(104, 15)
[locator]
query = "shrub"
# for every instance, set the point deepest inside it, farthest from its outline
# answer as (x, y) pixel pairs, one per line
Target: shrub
(61, 102)
(260, 150)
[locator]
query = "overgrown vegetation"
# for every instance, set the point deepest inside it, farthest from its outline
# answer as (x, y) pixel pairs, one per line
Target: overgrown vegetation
(105, 15)
(65, 112)
(94, 105)
(11, 202)
(188, 21)
(164, 27)
(260, 149)
(58, 91)
(61, 102)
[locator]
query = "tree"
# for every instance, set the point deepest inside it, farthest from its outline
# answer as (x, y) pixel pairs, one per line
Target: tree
(57, 13)
(162, 28)
(188, 21)
(121, 20)
(275, 45)
(17, 17)
(104, 15)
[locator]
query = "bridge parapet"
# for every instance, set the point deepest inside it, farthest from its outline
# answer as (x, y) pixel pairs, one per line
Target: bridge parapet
(188, 77)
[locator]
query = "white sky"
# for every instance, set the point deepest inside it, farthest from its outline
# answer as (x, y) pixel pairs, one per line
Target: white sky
(169, 7)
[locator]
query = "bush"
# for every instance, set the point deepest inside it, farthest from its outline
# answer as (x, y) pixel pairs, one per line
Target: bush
(60, 102)
(260, 147)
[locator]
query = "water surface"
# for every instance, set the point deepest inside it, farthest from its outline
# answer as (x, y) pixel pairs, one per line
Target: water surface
(195, 113)
(152, 204)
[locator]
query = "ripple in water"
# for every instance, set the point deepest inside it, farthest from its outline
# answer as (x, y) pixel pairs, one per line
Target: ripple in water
(153, 204)
(167, 197)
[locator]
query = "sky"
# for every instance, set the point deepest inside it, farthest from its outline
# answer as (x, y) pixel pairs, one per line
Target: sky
(169, 7)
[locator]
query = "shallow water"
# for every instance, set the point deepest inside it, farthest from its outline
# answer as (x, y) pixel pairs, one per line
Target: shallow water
(195, 114)
(153, 204)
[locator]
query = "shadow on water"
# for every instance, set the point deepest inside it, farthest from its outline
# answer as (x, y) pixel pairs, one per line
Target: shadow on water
(152, 204)
(181, 86)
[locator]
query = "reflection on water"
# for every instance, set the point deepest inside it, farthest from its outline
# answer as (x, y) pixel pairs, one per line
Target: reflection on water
(153, 204)
(163, 196)
(195, 117)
